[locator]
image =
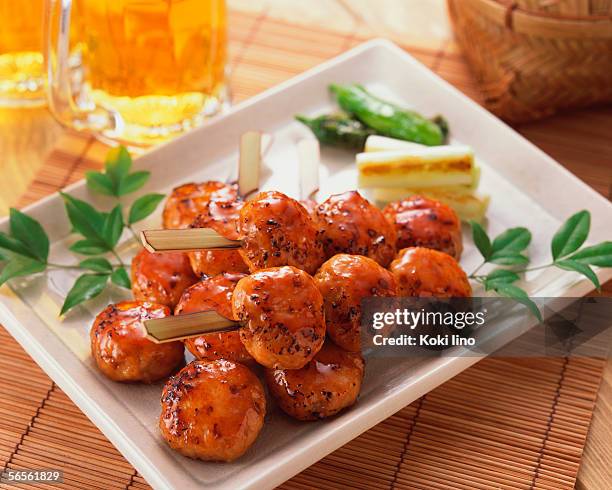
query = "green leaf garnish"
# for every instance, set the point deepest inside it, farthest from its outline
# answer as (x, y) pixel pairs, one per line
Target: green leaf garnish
(85, 287)
(85, 219)
(508, 258)
(512, 240)
(88, 247)
(499, 277)
(9, 243)
(133, 182)
(97, 264)
(116, 180)
(113, 226)
(599, 255)
(120, 278)
(584, 269)
(519, 295)
(118, 164)
(571, 235)
(144, 206)
(19, 265)
(481, 240)
(29, 232)
(100, 183)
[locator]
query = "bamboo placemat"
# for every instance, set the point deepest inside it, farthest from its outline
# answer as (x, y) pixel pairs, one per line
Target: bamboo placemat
(500, 424)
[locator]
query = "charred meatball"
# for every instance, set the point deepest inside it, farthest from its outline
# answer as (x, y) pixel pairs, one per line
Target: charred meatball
(422, 222)
(212, 410)
(325, 386)
(187, 201)
(121, 349)
(276, 230)
(214, 293)
(161, 277)
(282, 311)
(344, 281)
(221, 216)
(425, 272)
(348, 223)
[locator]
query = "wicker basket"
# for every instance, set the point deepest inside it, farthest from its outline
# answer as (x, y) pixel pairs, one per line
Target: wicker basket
(536, 57)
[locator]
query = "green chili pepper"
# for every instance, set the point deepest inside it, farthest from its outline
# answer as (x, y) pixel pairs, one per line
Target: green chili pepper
(338, 130)
(386, 118)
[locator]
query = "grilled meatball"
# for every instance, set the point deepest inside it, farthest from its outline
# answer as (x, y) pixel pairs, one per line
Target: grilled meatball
(121, 349)
(425, 272)
(283, 314)
(345, 280)
(327, 384)
(214, 293)
(348, 223)
(276, 230)
(221, 216)
(187, 201)
(422, 222)
(161, 277)
(212, 410)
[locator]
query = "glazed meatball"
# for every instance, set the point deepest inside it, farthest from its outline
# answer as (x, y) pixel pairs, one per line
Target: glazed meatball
(214, 293)
(187, 201)
(348, 223)
(276, 230)
(327, 384)
(344, 281)
(212, 410)
(425, 272)
(121, 349)
(282, 311)
(161, 277)
(422, 222)
(221, 216)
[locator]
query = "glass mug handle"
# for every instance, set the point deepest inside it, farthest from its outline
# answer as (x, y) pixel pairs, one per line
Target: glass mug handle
(61, 83)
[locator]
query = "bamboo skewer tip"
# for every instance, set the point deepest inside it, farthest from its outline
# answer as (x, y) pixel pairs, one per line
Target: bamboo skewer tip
(186, 240)
(309, 158)
(249, 164)
(178, 327)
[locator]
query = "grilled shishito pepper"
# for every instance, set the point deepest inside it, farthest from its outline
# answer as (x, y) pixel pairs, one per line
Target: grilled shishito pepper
(338, 130)
(389, 119)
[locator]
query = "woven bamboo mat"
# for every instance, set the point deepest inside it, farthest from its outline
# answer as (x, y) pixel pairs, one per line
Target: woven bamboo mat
(500, 424)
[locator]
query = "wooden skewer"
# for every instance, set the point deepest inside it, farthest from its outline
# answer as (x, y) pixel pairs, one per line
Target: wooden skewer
(309, 157)
(179, 327)
(172, 328)
(249, 166)
(186, 240)
(249, 163)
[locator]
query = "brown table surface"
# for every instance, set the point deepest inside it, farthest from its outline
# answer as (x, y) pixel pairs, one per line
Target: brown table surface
(26, 136)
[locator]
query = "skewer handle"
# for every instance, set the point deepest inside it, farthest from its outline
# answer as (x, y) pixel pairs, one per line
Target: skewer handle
(309, 156)
(249, 164)
(172, 328)
(185, 240)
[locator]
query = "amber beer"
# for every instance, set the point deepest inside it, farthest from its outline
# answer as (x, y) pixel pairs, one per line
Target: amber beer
(157, 66)
(21, 59)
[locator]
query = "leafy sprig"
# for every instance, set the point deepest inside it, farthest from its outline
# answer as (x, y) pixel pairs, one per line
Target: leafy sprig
(508, 248)
(25, 248)
(116, 180)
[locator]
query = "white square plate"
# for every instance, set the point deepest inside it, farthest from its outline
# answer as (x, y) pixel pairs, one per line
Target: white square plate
(528, 189)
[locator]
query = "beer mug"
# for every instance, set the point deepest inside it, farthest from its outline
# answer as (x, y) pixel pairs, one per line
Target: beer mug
(21, 59)
(150, 70)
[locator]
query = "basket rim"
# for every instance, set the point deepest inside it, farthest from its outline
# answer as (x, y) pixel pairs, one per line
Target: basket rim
(512, 5)
(509, 14)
